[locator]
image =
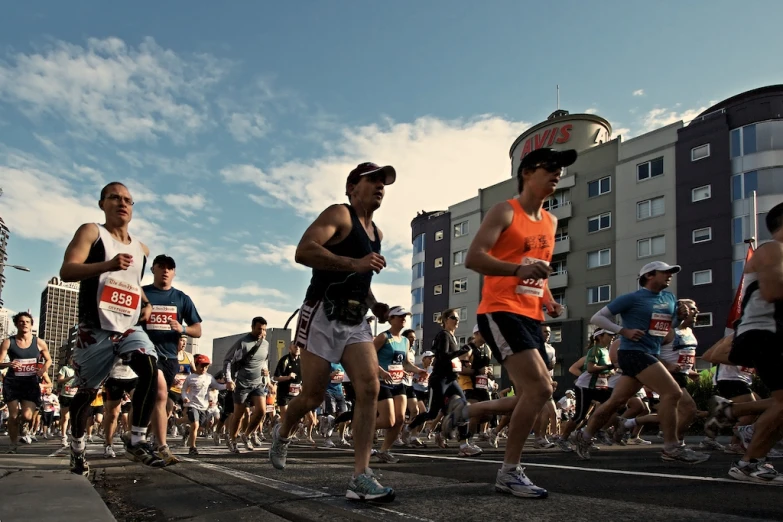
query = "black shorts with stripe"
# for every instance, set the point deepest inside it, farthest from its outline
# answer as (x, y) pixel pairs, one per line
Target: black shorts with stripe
(507, 333)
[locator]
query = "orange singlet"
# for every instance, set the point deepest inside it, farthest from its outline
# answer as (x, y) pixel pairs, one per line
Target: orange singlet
(524, 242)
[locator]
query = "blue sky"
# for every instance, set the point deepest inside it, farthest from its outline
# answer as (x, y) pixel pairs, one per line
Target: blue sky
(235, 125)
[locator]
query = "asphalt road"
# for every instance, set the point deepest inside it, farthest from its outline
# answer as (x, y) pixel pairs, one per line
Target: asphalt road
(431, 484)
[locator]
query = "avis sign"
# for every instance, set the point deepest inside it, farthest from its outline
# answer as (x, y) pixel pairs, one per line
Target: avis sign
(584, 136)
(546, 138)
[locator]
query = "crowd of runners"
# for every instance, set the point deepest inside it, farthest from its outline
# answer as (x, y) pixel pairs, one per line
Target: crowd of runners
(131, 382)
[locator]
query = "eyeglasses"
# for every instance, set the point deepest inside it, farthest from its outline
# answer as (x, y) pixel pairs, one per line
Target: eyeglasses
(549, 166)
(453, 317)
(118, 198)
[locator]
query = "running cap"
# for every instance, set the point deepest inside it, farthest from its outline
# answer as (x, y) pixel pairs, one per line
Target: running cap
(427, 354)
(659, 266)
(365, 169)
(601, 331)
(201, 359)
(397, 311)
(164, 260)
(561, 158)
(476, 330)
(570, 392)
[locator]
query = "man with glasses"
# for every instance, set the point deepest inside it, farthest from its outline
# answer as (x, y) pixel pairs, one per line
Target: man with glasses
(512, 250)
(173, 316)
(109, 263)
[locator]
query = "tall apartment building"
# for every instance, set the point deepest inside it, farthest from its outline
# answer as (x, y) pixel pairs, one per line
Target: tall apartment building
(59, 313)
(5, 323)
(192, 345)
(4, 235)
(620, 206)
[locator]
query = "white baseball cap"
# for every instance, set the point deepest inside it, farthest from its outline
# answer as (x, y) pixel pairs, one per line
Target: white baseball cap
(659, 266)
(476, 330)
(428, 354)
(601, 331)
(398, 311)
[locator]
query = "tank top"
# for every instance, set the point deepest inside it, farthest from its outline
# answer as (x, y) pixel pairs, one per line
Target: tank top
(28, 357)
(112, 300)
(339, 286)
(407, 380)
(682, 350)
(183, 359)
(728, 372)
(481, 359)
(524, 242)
(391, 356)
(757, 313)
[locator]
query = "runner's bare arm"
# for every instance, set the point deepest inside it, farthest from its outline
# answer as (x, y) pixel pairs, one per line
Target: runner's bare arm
(44, 350)
(497, 220)
(576, 368)
(768, 262)
(329, 228)
(3, 352)
(613, 348)
(719, 352)
(74, 267)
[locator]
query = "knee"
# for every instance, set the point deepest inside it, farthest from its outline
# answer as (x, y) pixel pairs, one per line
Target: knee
(313, 400)
(673, 395)
(367, 389)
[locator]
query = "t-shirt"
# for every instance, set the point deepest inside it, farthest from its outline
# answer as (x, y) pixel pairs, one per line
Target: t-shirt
(335, 386)
(185, 368)
(600, 357)
(49, 402)
(250, 374)
(648, 311)
(68, 387)
(447, 353)
(550, 353)
(682, 350)
(174, 304)
(285, 367)
(195, 389)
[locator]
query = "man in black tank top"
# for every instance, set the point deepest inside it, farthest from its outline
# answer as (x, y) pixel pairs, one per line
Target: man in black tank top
(21, 388)
(343, 247)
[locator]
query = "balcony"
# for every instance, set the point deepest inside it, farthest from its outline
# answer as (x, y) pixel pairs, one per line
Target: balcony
(562, 317)
(563, 246)
(561, 210)
(566, 182)
(558, 279)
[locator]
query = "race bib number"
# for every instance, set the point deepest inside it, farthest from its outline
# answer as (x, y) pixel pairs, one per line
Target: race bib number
(482, 383)
(160, 317)
(28, 368)
(270, 408)
(746, 369)
(534, 287)
(120, 297)
(660, 324)
(70, 390)
(179, 380)
(294, 390)
(456, 365)
(338, 378)
(687, 360)
(602, 383)
(396, 372)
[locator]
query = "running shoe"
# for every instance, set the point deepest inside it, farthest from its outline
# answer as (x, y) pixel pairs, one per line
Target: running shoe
(386, 457)
(13, 450)
(638, 441)
(216, 438)
(247, 442)
(516, 483)
(563, 445)
(756, 471)
(406, 436)
(329, 426)
(717, 418)
(493, 438)
(79, 464)
(367, 487)
(142, 452)
(399, 443)
(466, 450)
(603, 438)
(64, 441)
(344, 443)
(328, 444)
(745, 434)
(453, 417)
(108, 452)
(192, 452)
(774, 454)
(416, 443)
(580, 445)
(89, 439)
(279, 449)
(543, 443)
(710, 444)
(733, 449)
(440, 441)
(681, 454)
(165, 454)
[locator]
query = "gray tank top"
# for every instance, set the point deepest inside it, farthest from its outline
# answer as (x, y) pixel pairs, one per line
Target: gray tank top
(27, 356)
(757, 313)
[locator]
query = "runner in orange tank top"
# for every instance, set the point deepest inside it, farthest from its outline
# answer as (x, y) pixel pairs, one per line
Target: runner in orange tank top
(512, 250)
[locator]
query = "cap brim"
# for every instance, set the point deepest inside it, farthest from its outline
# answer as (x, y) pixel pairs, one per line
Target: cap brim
(391, 174)
(674, 269)
(565, 158)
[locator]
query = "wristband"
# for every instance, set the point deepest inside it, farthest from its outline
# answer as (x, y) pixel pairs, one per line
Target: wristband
(184, 328)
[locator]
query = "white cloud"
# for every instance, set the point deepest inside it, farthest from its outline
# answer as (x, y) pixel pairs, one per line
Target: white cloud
(391, 294)
(638, 92)
(591, 110)
(245, 127)
(438, 163)
(185, 204)
(271, 254)
(660, 117)
(107, 88)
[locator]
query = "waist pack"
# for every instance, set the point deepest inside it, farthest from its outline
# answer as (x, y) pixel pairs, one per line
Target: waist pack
(346, 311)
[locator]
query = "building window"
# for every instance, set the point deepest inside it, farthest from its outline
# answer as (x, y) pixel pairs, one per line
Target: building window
(459, 257)
(599, 187)
(651, 246)
(700, 235)
(436, 317)
(600, 222)
(561, 233)
(463, 313)
(558, 268)
(700, 152)
(417, 294)
(557, 200)
(649, 169)
(418, 270)
(437, 289)
(417, 320)
(599, 294)
(462, 340)
(438, 262)
(461, 229)
(460, 285)
(703, 320)
(418, 244)
(650, 208)
(743, 184)
(555, 335)
(737, 268)
(739, 229)
(559, 297)
(701, 193)
(599, 258)
(438, 235)
(743, 141)
(702, 277)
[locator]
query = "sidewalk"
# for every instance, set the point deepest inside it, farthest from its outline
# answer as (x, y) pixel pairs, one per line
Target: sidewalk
(36, 487)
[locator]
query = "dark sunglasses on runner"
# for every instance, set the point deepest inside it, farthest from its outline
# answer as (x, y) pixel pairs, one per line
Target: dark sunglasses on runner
(549, 166)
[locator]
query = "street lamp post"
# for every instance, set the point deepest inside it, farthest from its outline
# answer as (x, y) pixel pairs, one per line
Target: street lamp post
(18, 267)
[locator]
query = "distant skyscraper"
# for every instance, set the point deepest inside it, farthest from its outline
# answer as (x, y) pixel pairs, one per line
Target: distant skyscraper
(59, 313)
(4, 234)
(192, 346)
(5, 323)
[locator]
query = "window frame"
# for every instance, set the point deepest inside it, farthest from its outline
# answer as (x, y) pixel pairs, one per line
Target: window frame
(463, 313)
(708, 196)
(651, 254)
(649, 201)
(704, 145)
(598, 181)
(650, 175)
(464, 255)
(466, 224)
(460, 281)
(598, 292)
(693, 276)
(437, 290)
(436, 317)
(438, 262)
(608, 249)
(439, 235)
(693, 235)
(707, 314)
(598, 217)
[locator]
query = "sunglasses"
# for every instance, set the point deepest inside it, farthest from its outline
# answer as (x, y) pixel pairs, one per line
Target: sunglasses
(549, 166)
(117, 198)
(453, 317)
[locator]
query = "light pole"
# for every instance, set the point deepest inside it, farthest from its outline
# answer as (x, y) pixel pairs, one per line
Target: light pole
(18, 267)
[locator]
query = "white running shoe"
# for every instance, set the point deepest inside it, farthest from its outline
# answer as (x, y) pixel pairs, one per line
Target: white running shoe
(466, 450)
(247, 442)
(516, 483)
(108, 452)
